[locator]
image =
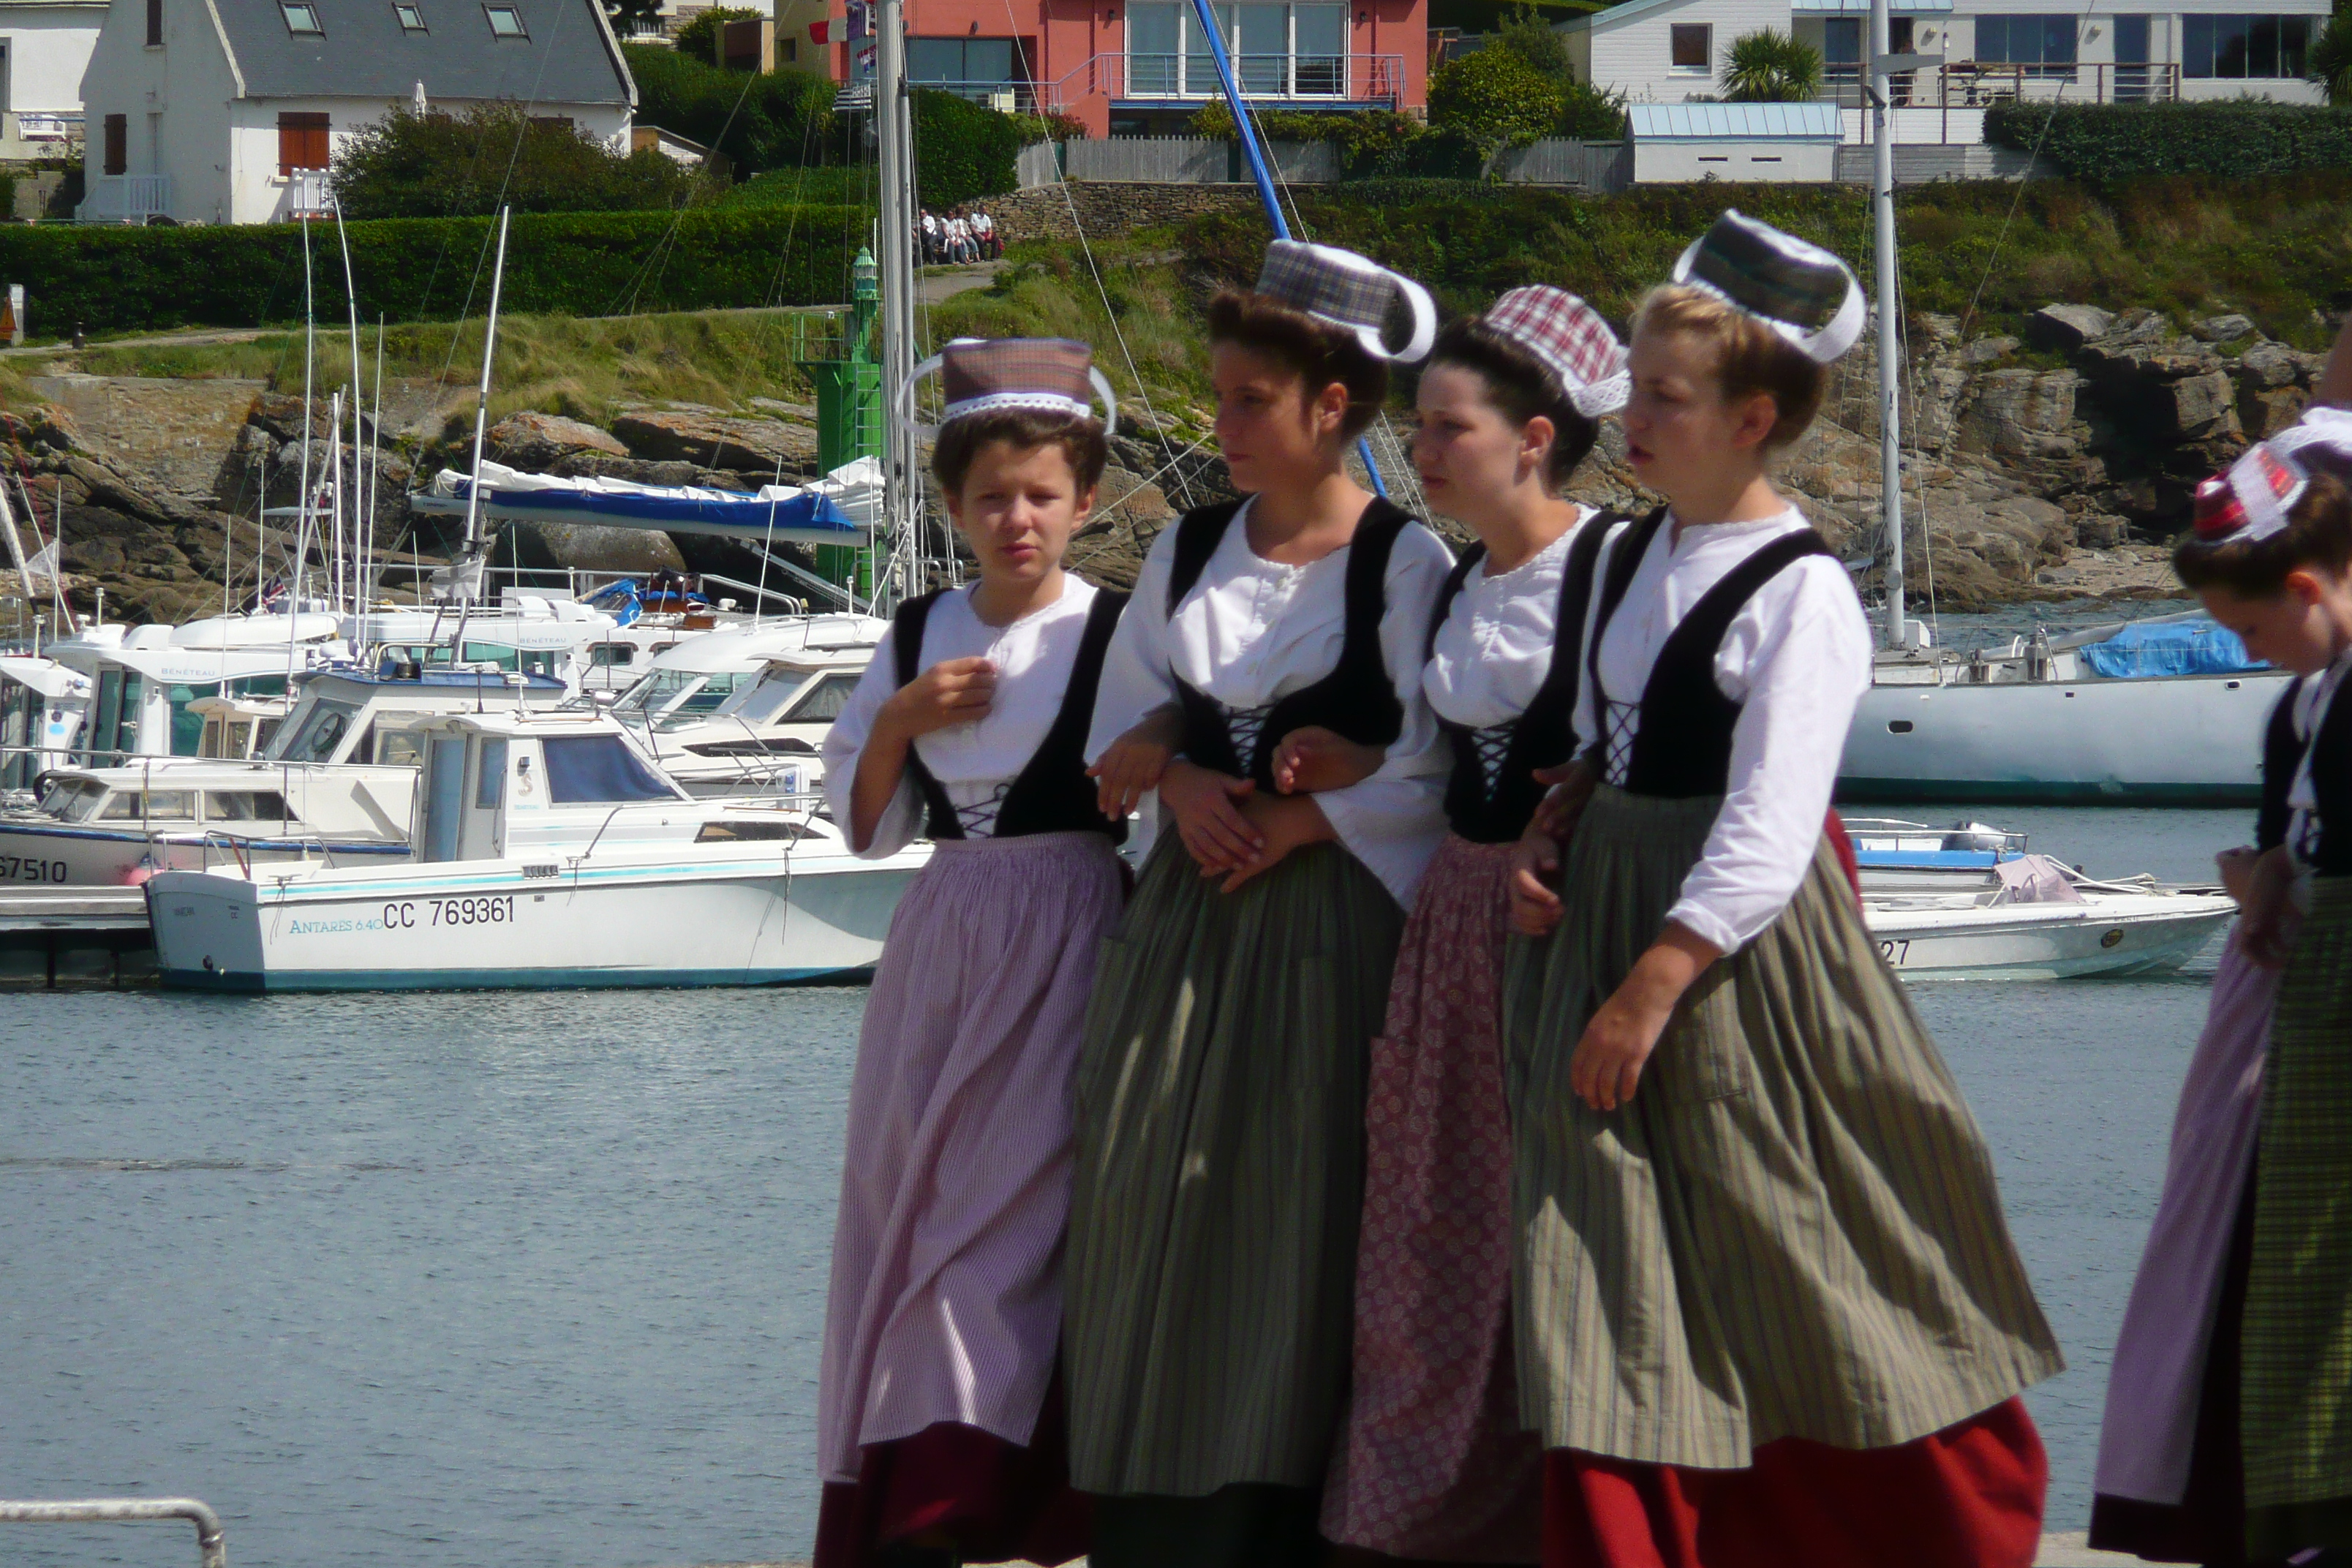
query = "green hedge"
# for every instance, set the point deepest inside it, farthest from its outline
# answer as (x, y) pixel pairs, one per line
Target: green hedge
(964, 149)
(2106, 142)
(411, 269)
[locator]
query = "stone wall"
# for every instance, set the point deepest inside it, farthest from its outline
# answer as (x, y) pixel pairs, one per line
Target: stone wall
(1111, 210)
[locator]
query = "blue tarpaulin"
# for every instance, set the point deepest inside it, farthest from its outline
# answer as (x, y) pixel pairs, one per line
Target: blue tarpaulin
(2170, 647)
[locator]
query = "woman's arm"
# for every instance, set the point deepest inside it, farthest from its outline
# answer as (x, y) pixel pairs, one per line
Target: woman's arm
(955, 691)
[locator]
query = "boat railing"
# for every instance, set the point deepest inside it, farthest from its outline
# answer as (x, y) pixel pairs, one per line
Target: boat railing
(211, 1540)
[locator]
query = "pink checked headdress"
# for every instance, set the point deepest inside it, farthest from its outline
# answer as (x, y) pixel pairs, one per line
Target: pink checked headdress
(1570, 339)
(2249, 500)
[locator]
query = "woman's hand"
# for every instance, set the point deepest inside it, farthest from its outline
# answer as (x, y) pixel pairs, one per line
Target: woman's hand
(1534, 867)
(1617, 1043)
(952, 692)
(2237, 871)
(1133, 764)
(2262, 910)
(1571, 785)
(1313, 759)
(1206, 805)
(1284, 824)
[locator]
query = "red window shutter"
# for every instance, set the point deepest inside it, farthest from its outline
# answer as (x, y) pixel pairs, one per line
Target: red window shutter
(301, 142)
(117, 143)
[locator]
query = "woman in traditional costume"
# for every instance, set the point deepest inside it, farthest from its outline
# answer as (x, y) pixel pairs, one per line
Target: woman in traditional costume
(1435, 1463)
(941, 1423)
(2223, 1442)
(1768, 1311)
(1221, 1101)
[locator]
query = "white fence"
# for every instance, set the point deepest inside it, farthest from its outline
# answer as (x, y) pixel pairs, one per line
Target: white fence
(1194, 160)
(1039, 164)
(126, 198)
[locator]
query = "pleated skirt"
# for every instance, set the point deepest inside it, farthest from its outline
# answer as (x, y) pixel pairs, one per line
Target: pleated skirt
(1220, 1176)
(2298, 1355)
(1792, 1230)
(1433, 1463)
(946, 1301)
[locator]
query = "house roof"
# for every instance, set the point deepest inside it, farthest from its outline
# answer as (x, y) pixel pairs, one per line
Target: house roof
(568, 56)
(1736, 122)
(1861, 7)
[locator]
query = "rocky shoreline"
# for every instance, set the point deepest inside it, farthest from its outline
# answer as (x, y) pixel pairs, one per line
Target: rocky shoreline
(2056, 467)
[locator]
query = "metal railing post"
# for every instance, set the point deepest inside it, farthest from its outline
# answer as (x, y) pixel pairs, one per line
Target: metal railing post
(210, 1539)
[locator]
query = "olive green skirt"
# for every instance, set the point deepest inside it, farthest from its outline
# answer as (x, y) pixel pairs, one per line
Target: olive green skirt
(1793, 1228)
(1220, 1125)
(2297, 1340)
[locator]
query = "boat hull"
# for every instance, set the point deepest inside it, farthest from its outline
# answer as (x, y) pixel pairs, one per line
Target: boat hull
(54, 855)
(749, 920)
(2174, 740)
(2111, 936)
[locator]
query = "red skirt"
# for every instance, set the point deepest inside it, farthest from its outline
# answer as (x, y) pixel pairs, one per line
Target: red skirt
(1967, 1497)
(997, 1501)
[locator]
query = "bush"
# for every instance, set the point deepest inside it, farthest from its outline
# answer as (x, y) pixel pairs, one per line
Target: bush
(1526, 33)
(1592, 113)
(964, 149)
(1767, 66)
(410, 269)
(2331, 57)
(1494, 99)
(698, 39)
(440, 165)
(781, 120)
(2103, 144)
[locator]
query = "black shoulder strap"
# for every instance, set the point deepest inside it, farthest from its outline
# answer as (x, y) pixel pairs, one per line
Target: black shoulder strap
(1448, 594)
(1624, 562)
(906, 633)
(1367, 568)
(1701, 631)
(1077, 712)
(2282, 755)
(1198, 534)
(1568, 623)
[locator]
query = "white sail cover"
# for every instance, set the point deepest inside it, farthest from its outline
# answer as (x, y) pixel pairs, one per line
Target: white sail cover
(838, 508)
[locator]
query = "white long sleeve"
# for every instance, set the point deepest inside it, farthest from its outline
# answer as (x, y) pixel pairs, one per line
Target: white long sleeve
(974, 762)
(1495, 651)
(1796, 658)
(1253, 631)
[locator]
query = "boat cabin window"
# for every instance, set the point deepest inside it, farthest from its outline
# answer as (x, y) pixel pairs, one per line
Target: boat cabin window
(150, 806)
(399, 748)
(607, 655)
(596, 769)
(321, 731)
(72, 800)
(187, 728)
(116, 728)
(244, 806)
(490, 784)
(236, 738)
(740, 832)
(533, 661)
(824, 701)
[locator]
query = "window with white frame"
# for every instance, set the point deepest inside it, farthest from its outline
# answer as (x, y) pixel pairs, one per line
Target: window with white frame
(1276, 51)
(1691, 49)
(2236, 48)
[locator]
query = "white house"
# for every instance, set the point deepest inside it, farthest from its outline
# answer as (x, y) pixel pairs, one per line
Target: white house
(44, 47)
(1676, 51)
(228, 110)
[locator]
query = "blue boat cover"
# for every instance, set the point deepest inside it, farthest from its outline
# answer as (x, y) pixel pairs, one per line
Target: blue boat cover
(2171, 648)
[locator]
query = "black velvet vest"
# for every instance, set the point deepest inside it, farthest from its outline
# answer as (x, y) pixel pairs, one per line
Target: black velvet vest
(1356, 699)
(1682, 747)
(1544, 736)
(1052, 793)
(2282, 755)
(2331, 788)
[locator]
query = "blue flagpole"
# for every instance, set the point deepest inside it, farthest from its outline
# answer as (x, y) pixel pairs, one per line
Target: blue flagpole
(1261, 174)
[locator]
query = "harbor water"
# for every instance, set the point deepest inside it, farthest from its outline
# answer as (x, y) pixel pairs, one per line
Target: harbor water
(510, 1280)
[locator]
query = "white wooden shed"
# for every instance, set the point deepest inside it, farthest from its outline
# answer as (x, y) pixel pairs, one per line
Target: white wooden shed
(1742, 142)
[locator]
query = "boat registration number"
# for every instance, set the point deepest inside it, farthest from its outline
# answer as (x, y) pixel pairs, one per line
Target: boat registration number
(1895, 952)
(20, 868)
(408, 914)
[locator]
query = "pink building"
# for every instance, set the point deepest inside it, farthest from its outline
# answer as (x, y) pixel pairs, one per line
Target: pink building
(1142, 67)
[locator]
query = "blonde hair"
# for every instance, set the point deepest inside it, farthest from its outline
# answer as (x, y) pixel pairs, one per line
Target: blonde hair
(1751, 358)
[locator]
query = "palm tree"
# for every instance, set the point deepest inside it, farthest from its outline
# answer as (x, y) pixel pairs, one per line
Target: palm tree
(2331, 59)
(1772, 68)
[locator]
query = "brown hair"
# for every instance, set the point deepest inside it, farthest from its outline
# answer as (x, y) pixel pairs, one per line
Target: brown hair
(1520, 387)
(1080, 437)
(2318, 532)
(1319, 352)
(1750, 357)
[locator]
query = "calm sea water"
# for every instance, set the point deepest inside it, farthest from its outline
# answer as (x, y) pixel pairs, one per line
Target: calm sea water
(513, 1281)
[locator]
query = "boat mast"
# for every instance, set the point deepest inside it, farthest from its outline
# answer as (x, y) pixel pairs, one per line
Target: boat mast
(895, 152)
(1264, 177)
(468, 581)
(352, 512)
(1890, 381)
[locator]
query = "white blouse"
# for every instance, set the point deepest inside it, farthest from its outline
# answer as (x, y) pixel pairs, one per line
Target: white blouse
(1253, 631)
(1494, 652)
(975, 762)
(1797, 657)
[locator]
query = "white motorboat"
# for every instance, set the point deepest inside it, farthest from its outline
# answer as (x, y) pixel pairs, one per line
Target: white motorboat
(552, 853)
(1898, 857)
(42, 705)
(764, 735)
(2114, 929)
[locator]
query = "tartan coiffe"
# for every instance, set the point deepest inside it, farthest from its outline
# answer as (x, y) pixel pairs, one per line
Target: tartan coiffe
(1802, 292)
(1570, 338)
(1347, 291)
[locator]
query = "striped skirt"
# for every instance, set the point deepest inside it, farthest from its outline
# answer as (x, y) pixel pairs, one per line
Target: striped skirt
(1220, 1176)
(945, 1303)
(2297, 1351)
(1792, 1229)
(1434, 1462)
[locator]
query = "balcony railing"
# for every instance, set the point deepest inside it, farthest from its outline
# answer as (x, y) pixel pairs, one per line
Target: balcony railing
(1335, 79)
(305, 195)
(1977, 84)
(1010, 96)
(126, 198)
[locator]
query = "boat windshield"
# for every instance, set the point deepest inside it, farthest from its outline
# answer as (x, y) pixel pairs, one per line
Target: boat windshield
(316, 738)
(824, 701)
(72, 800)
(583, 770)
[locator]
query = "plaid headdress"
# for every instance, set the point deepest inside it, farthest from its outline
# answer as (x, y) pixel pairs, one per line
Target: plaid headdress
(2251, 498)
(979, 376)
(1572, 340)
(1347, 291)
(1799, 290)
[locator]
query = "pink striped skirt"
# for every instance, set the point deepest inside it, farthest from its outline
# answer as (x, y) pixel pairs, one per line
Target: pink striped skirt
(945, 1303)
(1434, 1462)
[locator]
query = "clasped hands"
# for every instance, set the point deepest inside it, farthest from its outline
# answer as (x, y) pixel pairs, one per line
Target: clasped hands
(2262, 880)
